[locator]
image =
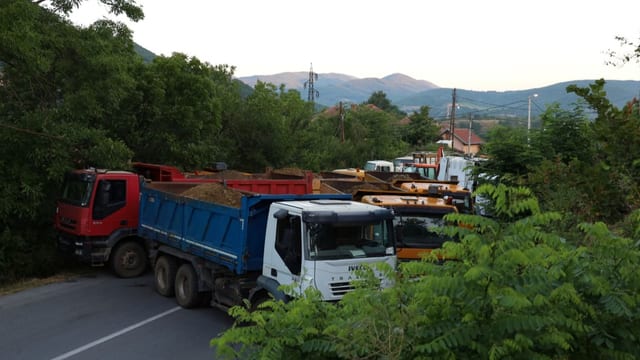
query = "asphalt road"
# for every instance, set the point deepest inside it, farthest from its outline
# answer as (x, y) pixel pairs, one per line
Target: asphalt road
(103, 317)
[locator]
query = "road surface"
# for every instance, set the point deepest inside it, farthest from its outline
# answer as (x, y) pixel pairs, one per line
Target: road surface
(104, 317)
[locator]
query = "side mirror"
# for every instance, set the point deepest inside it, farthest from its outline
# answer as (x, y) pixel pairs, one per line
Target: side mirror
(399, 237)
(281, 214)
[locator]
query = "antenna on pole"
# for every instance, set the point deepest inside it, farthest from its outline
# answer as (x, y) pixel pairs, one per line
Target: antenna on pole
(313, 93)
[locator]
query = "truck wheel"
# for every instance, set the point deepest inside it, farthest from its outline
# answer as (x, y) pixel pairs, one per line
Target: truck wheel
(129, 260)
(257, 301)
(186, 287)
(165, 275)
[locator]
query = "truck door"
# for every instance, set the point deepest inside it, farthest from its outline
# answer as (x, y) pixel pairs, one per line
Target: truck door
(110, 199)
(288, 246)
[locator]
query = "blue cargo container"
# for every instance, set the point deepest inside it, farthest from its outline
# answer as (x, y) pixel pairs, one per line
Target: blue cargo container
(225, 235)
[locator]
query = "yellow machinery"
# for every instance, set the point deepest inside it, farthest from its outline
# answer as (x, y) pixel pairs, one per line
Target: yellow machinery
(415, 219)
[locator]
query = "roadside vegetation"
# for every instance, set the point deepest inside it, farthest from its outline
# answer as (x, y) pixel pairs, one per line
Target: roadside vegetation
(552, 274)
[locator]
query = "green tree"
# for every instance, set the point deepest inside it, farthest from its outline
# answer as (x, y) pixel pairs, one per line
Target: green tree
(422, 129)
(267, 131)
(52, 120)
(566, 135)
(585, 169)
(116, 7)
(177, 111)
(517, 290)
(372, 135)
(322, 146)
(617, 59)
(380, 100)
(510, 154)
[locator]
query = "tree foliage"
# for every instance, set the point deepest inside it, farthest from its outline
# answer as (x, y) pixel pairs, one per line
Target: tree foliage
(116, 7)
(52, 120)
(617, 59)
(516, 290)
(266, 130)
(510, 154)
(177, 98)
(382, 102)
(421, 130)
(586, 168)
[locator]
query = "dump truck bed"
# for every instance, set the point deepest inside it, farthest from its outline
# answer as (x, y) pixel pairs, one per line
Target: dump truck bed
(228, 230)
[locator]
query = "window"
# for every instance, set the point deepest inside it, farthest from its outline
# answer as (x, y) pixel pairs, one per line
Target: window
(77, 190)
(418, 231)
(111, 195)
(350, 240)
(289, 243)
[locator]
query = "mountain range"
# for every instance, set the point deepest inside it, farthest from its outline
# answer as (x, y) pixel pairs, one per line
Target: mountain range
(410, 94)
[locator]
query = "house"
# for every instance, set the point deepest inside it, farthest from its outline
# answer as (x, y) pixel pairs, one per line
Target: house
(464, 140)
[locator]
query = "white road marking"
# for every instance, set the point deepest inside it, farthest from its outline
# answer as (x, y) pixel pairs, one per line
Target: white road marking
(115, 334)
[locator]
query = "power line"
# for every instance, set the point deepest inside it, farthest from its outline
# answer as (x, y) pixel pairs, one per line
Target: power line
(31, 132)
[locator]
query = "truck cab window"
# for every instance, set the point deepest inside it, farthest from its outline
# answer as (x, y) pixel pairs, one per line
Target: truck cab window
(419, 231)
(289, 243)
(349, 240)
(111, 195)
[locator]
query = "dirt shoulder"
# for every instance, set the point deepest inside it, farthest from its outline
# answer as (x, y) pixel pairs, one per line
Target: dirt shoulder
(24, 284)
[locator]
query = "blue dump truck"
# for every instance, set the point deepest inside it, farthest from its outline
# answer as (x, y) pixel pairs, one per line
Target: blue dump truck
(216, 245)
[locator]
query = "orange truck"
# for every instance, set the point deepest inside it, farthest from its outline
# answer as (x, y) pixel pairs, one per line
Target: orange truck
(415, 218)
(459, 196)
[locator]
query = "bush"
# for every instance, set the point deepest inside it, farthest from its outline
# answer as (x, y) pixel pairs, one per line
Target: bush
(517, 290)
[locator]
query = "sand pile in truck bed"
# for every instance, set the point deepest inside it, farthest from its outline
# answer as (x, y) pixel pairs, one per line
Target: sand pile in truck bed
(215, 193)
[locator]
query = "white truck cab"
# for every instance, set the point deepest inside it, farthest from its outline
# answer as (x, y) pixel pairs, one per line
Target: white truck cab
(321, 243)
(378, 165)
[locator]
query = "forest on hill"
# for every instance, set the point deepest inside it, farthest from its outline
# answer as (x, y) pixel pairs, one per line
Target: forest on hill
(410, 94)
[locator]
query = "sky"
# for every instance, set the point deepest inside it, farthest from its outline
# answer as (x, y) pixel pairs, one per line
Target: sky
(489, 45)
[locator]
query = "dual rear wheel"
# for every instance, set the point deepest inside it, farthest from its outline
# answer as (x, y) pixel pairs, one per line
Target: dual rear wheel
(179, 280)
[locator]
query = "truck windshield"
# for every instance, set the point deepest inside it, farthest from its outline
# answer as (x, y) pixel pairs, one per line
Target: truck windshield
(76, 190)
(417, 231)
(349, 240)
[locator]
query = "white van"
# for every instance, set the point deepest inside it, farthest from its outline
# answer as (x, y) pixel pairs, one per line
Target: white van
(378, 165)
(403, 164)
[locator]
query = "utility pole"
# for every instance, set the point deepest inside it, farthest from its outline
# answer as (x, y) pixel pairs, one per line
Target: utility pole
(313, 93)
(341, 123)
(452, 124)
(529, 116)
(469, 141)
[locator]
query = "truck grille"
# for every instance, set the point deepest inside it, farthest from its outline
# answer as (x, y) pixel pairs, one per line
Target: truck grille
(68, 223)
(341, 288)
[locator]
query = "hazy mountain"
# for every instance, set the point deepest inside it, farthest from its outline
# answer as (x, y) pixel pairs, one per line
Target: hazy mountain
(146, 54)
(512, 103)
(409, 94)
(333, 87)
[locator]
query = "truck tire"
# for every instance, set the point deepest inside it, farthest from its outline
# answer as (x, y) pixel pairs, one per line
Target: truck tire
(186, 287)
(129, 260)
(164, 274)
(257, 301)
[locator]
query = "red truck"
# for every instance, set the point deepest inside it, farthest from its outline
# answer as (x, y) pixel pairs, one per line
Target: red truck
(96, 218)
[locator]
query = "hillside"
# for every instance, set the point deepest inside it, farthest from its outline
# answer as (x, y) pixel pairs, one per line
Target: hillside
(487, 104)
(334, 88)
(146, 54)
(409, 94)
